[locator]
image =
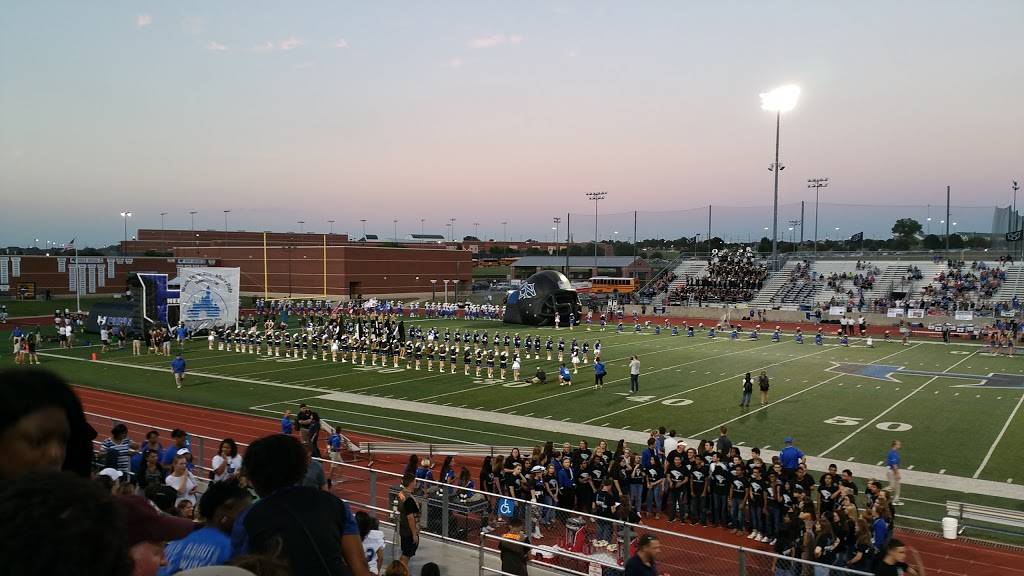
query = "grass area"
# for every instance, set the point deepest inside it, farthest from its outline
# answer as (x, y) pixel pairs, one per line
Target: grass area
(951, 417)
(43, 307)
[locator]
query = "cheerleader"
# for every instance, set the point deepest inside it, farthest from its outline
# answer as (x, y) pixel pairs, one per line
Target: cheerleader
(528, 343)
(585, 350)
(467, 359)
(443, 351)
(490, 364)
(536, 347)
(575, 360)
(561, 349)
(515, 368)
(408, 354)
(418, 354)
(453, 358)
(210, 338)
(504, 364)
(478, 360)
(548, 345)
(430, 357)
(374, 347)
(597, 350)
(334, 350)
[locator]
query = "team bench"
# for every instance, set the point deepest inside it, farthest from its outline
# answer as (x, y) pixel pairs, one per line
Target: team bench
(964, 511)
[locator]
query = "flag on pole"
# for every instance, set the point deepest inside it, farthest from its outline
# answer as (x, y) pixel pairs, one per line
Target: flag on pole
(70, 246)
(1014, 236)
(859, 236)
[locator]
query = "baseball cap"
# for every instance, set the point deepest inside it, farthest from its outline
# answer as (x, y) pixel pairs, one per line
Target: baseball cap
(537, 469)
(182, 451)
(788, 440)
(142, 522)
(111, 473)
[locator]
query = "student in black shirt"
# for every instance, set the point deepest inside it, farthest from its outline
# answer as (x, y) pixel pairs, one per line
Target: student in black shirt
(678, 479)
(825, 543)
(514, 556)
(757, 507)
(739, 493)
(698, 491)
(719, 491)
(643, 562)
(606, 505)
(409, 524)
(584, 493)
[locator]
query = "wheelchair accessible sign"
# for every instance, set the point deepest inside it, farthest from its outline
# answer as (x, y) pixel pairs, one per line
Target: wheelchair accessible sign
(506, 507)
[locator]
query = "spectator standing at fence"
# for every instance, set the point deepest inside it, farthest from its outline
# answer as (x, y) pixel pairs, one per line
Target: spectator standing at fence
(514, 556)
(892, 462)
(179, 439)
(642, 563)
(178, 369)
(118, 449)
(634, 374)
(408, 520)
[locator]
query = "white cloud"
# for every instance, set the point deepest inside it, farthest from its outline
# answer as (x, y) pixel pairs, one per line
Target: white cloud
(215, 46)
(341, 43)
(290, 43)
(454, 63)
(495, 40)
(268, 46)
(305, 66)
(143, 20)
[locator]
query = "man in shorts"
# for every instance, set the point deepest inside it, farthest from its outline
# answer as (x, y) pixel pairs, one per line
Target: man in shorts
(178, 369)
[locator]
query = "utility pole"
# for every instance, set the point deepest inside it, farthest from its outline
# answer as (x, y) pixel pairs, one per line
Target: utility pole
(557, 221)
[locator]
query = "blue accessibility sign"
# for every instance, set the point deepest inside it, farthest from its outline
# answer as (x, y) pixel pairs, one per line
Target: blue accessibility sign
(506, 507)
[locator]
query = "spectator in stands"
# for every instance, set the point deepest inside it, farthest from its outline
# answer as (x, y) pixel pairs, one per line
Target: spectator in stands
(430, 569)
(149, 472)
(42, 425)
(147, 531)
(77, 518)
(211, 545)
(182, 480)
(118, 449)
(179, 440)
(152, 443)
(373, 541)
(317, 530)
(226, 463)
(396, 568)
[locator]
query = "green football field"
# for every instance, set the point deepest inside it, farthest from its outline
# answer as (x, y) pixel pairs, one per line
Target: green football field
(956, 408)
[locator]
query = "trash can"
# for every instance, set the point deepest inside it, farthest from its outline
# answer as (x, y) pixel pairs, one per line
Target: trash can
(949, 526)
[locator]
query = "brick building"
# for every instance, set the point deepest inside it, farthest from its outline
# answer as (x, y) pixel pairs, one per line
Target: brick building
(32, 276)
(351, 270)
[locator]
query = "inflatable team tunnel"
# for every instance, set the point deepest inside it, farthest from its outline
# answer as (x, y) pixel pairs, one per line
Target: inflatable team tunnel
(538, 298)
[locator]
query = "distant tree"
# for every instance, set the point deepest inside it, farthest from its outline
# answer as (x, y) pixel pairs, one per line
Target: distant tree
(470, 239)
(956, 241)
(656, 255)
(981, 242)
(933, 242)
(764, 246)
(496, 249)
(906, 228)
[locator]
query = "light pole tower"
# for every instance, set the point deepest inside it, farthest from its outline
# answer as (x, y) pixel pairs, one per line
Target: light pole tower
(596, 197)
(779, 100)
(124, 216)
(226, 212)
(557, 221)
(817, 184)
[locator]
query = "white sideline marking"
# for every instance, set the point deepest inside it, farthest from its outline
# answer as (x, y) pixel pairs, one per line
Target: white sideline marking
(911, 467)
(992, 448)
(893, 407)
(850, 459)
(942, 471)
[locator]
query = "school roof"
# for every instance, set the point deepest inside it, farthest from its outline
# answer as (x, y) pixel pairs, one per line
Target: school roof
(574, 261)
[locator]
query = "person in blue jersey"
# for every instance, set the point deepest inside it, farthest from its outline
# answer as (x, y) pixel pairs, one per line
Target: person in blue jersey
(618, 327)
(711, 332)
(776, 335)
(182, 334)
(754, 332)
(819, 340)
(287, 423)
(798, 337)
(734, 334)
(892, 463)
(564, 376)
(210, 545)
(603, 322)
(599, 373)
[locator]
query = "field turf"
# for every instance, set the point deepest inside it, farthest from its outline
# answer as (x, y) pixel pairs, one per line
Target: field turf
(835, 400)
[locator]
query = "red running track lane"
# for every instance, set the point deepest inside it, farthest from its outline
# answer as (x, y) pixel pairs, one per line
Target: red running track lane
(941, 557)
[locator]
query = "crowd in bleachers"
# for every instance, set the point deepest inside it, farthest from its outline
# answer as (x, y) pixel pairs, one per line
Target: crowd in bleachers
(659, 285)
(732, 276)
(962, 287)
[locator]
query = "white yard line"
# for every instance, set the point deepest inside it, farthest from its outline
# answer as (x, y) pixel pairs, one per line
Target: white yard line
(797, 393)
(893, 407)
(695, 388)
(992, 448)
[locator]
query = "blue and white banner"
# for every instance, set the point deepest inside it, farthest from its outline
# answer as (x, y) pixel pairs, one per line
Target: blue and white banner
(209, 297)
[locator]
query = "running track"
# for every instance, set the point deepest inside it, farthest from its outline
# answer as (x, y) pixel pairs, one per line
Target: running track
(941, 557)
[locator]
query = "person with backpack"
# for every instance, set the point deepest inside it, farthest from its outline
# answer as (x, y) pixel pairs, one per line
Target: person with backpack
(748, 390)
(762, 384)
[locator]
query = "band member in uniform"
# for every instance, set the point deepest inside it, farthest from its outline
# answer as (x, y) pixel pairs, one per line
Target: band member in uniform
(561, 349)
(430, 357)
(453, 358)
(536, 347)
(490, 363)
(478, 360)
(418, 353)
(585, 350)
(548, 345)
(504, 363)
(467, 359)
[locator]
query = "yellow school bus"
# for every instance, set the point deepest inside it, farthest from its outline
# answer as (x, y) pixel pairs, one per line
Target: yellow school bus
(610, 285)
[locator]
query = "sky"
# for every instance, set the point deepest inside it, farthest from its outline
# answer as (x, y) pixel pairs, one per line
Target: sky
(495, 112)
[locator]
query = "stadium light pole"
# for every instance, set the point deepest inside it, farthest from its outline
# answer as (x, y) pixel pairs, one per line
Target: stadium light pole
(226, 212)
(422, 220)
(301, 224)
(193, 214)
(395, 236)
(476, 230)
(557, 221)
(331, 222)
(451, 237)
(363, 220)
(596, 197)
(779, 100)
(124, 216)
(817, 184)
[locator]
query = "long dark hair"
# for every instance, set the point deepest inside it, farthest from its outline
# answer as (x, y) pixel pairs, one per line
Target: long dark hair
(446, 466)
(230, 442)
(411, 465)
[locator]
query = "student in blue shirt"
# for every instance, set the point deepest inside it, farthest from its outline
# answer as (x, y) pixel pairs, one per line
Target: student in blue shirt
(564, 376)
(599, 372)
(211, 545)
(178, 369)
(287, 423)
(892, 462)
(790, 457)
